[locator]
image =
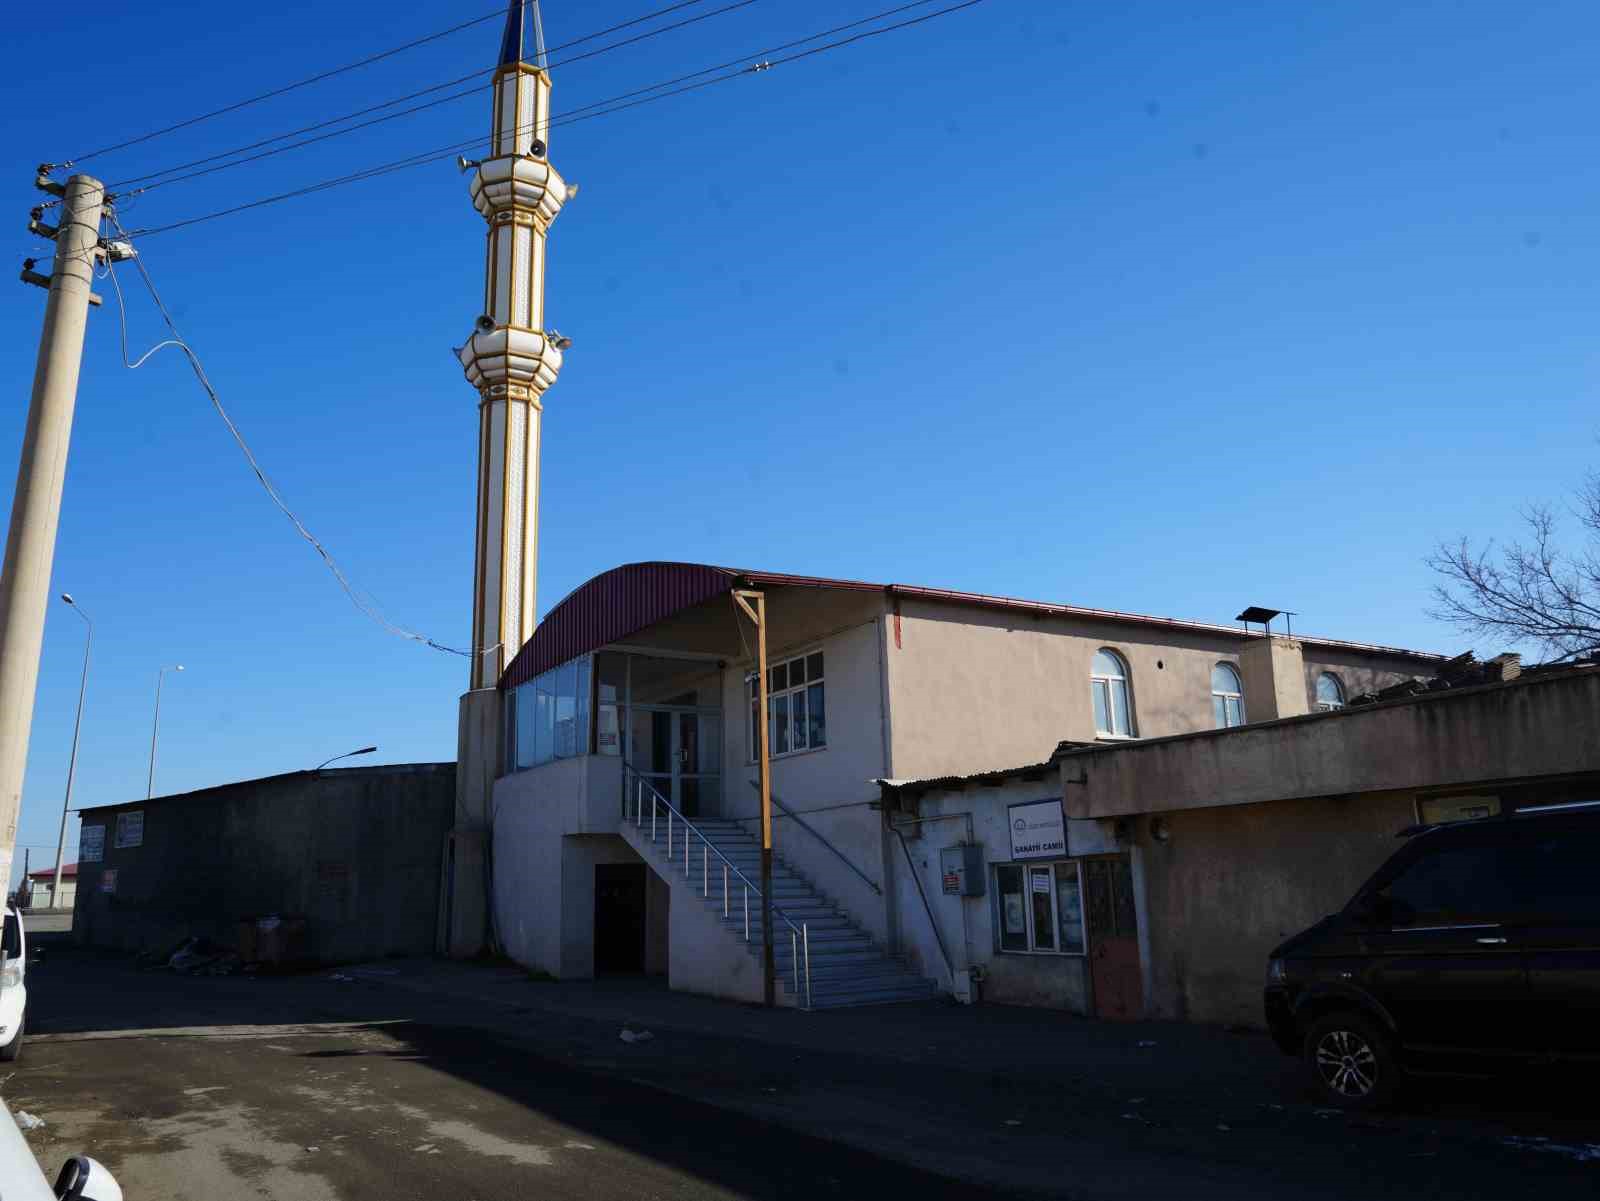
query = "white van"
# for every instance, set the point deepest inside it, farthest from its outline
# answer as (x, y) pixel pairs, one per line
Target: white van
(13, 985)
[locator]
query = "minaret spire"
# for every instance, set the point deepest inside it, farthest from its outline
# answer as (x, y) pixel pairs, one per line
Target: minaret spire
(514, 46)
(511, 357)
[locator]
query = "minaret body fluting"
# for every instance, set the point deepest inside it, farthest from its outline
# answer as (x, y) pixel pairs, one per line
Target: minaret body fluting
(511, 357)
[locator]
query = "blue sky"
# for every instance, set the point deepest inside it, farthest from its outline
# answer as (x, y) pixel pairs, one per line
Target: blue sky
(1164, 307)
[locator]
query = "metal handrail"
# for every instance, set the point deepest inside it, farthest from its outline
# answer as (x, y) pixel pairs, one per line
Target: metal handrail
(799, 935)
(807, 827)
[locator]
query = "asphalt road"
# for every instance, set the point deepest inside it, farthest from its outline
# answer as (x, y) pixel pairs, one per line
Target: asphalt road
(313, 1115)
(450, 1082)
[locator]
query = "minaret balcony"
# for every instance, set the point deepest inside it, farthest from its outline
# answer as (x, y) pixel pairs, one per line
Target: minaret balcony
(510, 357)
(511, 182)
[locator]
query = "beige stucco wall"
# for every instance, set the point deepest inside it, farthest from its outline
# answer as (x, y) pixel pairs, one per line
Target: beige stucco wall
(976, 689)
(1230, 883)
(831, 787)
(551, 825)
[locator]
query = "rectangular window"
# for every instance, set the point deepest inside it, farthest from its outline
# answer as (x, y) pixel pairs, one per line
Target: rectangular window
(796, 707)
(1041, 898)
(1039, 908)
(1013, 923)
(1069, 908)
(1102, 706)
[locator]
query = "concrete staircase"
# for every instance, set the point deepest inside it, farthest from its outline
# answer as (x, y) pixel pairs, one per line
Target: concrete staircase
(847, 967)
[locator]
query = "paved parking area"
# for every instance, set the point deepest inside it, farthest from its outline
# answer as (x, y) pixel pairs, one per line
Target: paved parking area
(435, 1080)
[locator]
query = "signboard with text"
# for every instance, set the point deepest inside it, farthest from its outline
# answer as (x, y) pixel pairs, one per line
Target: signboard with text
(92, 844)
(130, 828)
(1038, 830)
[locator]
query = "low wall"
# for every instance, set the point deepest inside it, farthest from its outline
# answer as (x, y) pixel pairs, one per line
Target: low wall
(357, 852)
(1541, 726)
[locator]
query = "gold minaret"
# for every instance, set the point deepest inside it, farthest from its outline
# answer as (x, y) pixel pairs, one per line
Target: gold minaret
(511, 357)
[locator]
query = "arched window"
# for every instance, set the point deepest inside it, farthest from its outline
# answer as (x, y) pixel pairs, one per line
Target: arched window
(1113, 707)
(1330, 693)
(1227, 696)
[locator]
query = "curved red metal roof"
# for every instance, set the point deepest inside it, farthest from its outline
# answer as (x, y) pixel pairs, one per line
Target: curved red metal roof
(627, 599)
(611, 606)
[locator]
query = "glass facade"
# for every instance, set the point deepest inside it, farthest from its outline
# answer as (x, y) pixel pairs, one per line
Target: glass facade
(659, 713)
(550, 715)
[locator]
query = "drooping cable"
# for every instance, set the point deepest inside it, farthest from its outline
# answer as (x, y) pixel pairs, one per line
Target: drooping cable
(357, 64)
(363, 602)
(182, 172)
(603, 109)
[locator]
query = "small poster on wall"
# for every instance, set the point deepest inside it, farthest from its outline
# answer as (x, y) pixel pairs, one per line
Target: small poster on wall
(1016, 917)
(130, 829)
(91, 844)
(108, 880)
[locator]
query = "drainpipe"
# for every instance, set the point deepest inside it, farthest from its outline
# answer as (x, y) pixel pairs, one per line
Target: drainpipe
(922, 892)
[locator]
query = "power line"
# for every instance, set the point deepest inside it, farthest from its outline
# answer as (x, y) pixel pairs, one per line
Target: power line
(476, 89)
(280, 91)
(366, 604)
(604, 108)
(363, 62)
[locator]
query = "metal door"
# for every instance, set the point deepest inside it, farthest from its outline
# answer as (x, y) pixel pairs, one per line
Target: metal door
(1115, 975)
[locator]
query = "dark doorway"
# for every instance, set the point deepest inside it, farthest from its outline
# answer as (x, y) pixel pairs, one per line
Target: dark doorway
(618, 918)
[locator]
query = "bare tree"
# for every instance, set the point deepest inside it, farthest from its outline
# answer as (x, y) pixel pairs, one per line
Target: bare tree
(1529, 591)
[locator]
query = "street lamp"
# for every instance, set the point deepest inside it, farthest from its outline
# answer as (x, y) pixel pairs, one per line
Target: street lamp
(72, 764)
(366, 750)
(150, 787)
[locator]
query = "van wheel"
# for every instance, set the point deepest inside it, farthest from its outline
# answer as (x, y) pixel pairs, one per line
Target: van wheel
(1352, 1061)
(12, 1049)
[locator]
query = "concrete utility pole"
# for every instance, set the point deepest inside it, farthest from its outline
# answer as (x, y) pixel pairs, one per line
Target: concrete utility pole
(36, 508)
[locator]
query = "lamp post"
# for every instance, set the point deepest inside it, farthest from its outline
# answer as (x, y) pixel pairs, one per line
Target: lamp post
(155, 729)
(366, 750)
(72, 764)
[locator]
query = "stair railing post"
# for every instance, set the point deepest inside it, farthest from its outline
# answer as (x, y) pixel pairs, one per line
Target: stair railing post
(747, 913)
(724, 892)
(705, 869)
(669, 835)
(794, 956)
(805, 938)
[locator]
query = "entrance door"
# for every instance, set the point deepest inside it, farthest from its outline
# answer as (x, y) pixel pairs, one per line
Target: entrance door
(680, 751)
(619, 917)
(698, 780)
(1113, 939)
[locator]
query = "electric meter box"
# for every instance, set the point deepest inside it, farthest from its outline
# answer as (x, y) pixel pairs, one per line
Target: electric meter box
(961, 869)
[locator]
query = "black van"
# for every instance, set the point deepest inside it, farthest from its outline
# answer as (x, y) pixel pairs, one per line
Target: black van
(1476, 943)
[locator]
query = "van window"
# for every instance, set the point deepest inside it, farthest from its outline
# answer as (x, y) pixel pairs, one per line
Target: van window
(11, 943)
(1456, 884)
(1562, 870)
